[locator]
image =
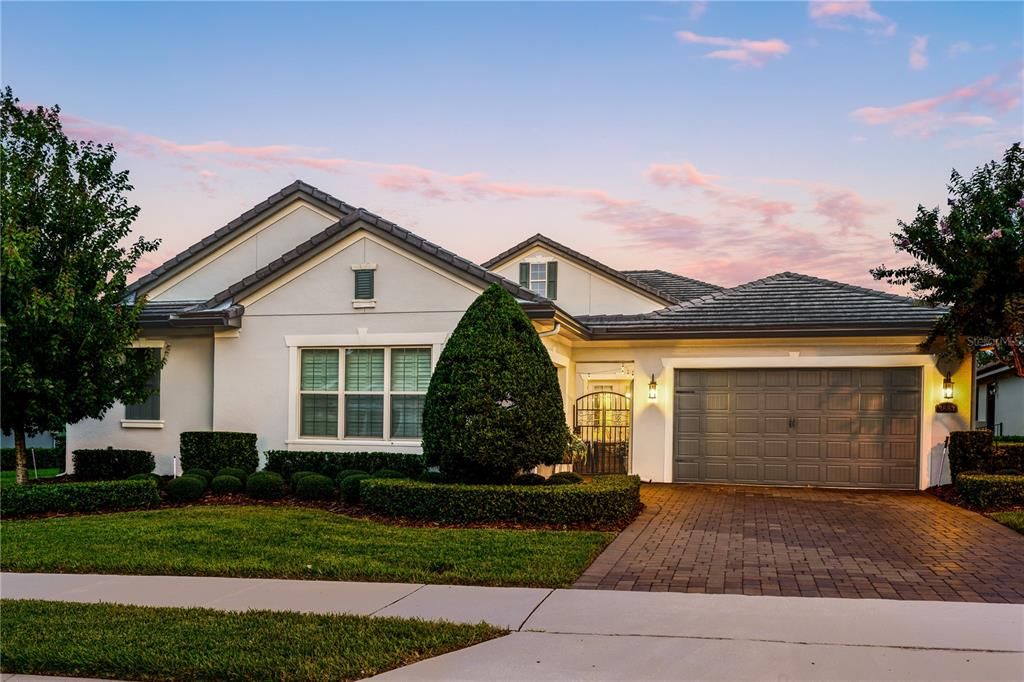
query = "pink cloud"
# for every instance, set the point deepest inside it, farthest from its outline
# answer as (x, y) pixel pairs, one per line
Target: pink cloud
(923, 117)
(832, 14)
(844, 209)
(918, 58)
(745, 52)
(678, 175)
(651, 227)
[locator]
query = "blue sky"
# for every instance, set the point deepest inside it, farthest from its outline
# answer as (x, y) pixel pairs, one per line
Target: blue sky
(724, 141)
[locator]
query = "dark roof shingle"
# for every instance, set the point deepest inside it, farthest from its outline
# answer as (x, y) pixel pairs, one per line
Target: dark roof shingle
(786, 303)
(676, 286)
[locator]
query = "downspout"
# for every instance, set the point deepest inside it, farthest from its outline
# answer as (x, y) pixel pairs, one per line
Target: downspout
(551, 332)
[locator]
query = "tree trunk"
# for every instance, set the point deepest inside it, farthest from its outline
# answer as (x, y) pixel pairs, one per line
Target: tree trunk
(20, 456)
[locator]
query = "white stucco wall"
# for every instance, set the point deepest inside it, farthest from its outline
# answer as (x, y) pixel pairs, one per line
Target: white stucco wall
(186, 404)
(582, 291)
(256, 370)
(652, 419)
(260, 244)
(1009, 404)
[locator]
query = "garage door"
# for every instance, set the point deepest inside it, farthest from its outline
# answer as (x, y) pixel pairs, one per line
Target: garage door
(849, 427)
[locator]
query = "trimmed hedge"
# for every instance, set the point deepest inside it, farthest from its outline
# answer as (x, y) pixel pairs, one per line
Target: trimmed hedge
(265, 485)
(350, 486)
(342, 475)
(567, 476)
(991, 491)
(330, 464)
(606, 499)
(185, 489)
(225, 484)
(216, 450)
(110, 464)
(241, 474)
(315, 487)
(528, 479)
(69, 498)
(46, 458)
(388, 473)
(976, 451)
(1007, 456)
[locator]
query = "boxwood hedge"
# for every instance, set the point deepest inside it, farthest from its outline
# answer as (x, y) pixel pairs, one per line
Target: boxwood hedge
(330, 464)
(990, 490)
(606, 499)
(215, 450)
(22, 500)
(108, 464)
(45, 458)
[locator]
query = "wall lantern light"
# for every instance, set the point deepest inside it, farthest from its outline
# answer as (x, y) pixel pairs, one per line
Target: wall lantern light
(652, 389)
(947, 387)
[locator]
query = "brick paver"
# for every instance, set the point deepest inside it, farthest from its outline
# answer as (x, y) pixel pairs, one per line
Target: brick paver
(811, 543)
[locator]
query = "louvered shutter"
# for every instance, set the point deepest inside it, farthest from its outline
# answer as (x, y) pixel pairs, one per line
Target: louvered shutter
(553, 280)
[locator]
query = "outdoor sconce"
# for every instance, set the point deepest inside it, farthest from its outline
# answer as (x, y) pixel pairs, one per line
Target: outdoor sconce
(947, 406)
(947, 387)
(652, 389)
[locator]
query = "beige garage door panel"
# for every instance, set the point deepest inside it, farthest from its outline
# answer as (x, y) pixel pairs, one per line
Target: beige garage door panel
(855, 427)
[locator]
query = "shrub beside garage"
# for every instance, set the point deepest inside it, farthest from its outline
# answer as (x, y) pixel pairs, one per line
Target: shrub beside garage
(991, 491)
(604, 500)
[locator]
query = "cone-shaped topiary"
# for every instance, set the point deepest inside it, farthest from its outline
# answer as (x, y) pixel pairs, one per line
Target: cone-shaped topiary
(493, 407)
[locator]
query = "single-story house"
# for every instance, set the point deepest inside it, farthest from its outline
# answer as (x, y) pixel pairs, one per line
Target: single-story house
(316, 325)
(1000, 400)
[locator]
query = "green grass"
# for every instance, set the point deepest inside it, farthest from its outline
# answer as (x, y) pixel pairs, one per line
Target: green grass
(1011, 519)
(292, 542)
(146, 643)
(7, 477)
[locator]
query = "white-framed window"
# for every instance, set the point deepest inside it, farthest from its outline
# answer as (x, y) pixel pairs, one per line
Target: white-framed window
(539, 278)
(149, 409)
(363, 393)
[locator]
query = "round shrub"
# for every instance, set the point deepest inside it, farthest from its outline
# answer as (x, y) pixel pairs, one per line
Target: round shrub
(223, 485)
(203, 481)
(528, 479)
(203, 473)
(559, 481)
(265, 485)
(145, 477)
(315, 487)
(240, 474)
(298, 476)
(345, 473)
(567, 476)
(388, 473)
(493, 407)
(185, 489)
(350, 487)
(432, 477)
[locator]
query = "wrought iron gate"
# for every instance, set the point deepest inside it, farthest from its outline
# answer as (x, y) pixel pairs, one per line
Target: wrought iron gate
(603, 421)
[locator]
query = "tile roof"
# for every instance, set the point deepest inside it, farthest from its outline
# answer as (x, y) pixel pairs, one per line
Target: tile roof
(440, 256)
(221, 235)
(676, 286)
(629, 282)
(784, 304)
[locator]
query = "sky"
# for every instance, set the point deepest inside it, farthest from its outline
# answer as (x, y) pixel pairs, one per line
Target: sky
(725, 141)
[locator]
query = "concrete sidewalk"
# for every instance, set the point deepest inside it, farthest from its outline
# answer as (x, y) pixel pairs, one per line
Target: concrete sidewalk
(577, 634)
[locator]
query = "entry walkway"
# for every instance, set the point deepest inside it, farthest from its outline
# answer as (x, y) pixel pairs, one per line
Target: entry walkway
(597, 634)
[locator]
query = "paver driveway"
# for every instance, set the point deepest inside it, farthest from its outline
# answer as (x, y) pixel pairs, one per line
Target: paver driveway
(814, 543)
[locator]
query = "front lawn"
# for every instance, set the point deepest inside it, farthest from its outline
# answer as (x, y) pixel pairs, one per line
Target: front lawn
(8, 477)
(1011, 519)
(290, 542)
(145, 643)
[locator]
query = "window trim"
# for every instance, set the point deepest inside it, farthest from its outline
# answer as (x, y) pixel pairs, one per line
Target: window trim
(295, 429)
(158, 423)
(543, 280)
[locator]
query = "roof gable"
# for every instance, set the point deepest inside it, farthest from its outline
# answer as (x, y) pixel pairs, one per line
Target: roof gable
(386, 230)
(587, 262)
(237, 227)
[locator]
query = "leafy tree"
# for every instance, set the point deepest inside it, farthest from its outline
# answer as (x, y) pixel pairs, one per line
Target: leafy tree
(64, 325)
(493, 407)
(972, 260)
